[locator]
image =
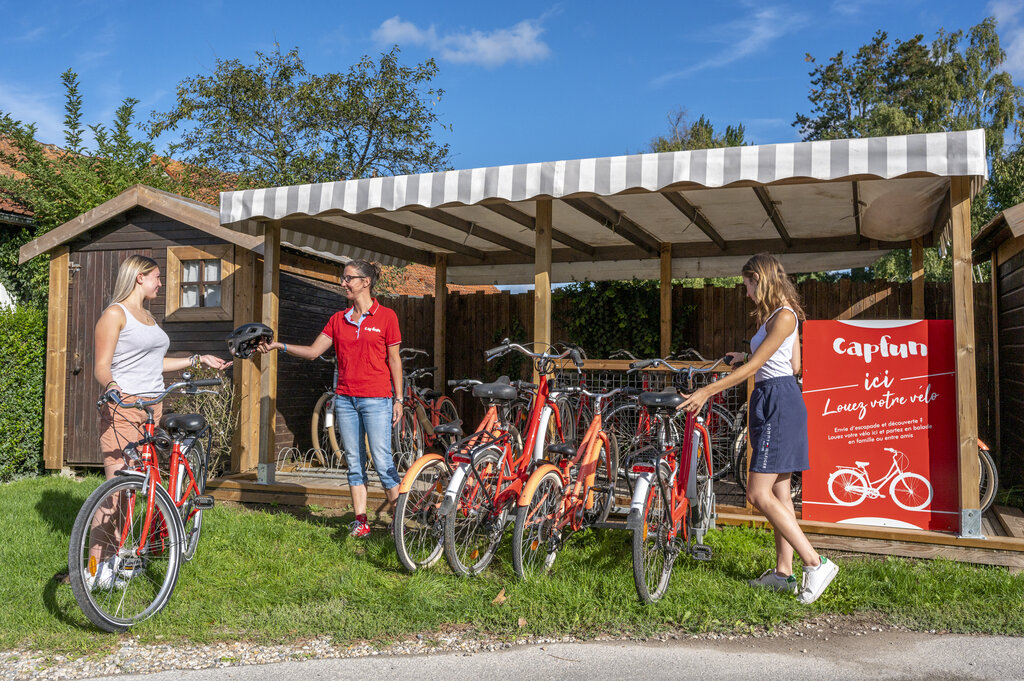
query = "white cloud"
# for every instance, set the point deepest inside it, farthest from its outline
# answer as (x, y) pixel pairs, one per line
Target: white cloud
(743, 38)
(28, 106)
(1010, 25)
(521, 42)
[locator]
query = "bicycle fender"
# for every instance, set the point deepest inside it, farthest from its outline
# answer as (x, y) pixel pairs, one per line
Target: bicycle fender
(458, 475)
(640, 487)
(531, 483)
(540, 443)
(128, 472)
(414, 470)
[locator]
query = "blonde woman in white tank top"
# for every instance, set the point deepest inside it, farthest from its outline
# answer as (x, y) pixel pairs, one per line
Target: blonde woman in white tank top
(131, 355)
(778, 425)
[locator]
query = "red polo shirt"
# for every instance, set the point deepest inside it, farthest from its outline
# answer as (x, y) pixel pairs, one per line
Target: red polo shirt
(361, 345)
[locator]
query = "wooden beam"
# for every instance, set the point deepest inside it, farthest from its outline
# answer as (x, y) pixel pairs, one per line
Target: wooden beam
(966, 381)
(245, 374)
(695, 216)
(455, 222)
(440, 319)
(856, 207)
(994, 278)
(352, 237)
(617, 221)
(666, 299)
(917, 279)
(542, 278)
(56, 360)
(941, 218)
(528, 221)
(410, 232)
(268, 362)
(693, 250)
(772, 209)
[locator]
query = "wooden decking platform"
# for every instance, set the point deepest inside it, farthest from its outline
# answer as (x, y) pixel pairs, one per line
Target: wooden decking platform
(1003, 527)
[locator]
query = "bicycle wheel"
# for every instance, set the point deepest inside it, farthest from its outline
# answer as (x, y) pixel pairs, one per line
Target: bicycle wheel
(911, 491)
(720, 431)
(702, 510)
(603, 491)
(535, 541)
(739, 449)
(988, 480)
(624, 423)
(191, 517)
(446, 413)
(472, 530)
(567, 417)
(325, 447)
(847, 487)
(406, 441)
(652, 562)
(117, 580)
(418, 535)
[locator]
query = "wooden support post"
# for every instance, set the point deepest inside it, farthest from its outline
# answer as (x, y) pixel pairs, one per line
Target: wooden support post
(440, 318)
(56, 360)
(966, 380)
(996, 435)
(666, 299)
(268, 362)
(917, 279)
(246, 376)
(542, 278)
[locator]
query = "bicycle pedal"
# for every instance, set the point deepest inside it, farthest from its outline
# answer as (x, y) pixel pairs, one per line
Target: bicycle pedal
(203, 502)
(700, 552)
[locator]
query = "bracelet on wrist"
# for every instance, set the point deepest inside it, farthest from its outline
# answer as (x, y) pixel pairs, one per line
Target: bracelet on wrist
(110, 384)
(193, 361)
(284, 346)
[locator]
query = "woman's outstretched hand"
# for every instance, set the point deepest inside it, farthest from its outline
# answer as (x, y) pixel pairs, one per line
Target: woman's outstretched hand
(694, 401)
(214, 362)
(266, 347)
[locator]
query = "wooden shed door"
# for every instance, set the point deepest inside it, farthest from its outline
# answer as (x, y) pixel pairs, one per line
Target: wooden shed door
(89, 288)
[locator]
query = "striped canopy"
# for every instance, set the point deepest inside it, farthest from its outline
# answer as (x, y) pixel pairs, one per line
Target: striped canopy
(819, 205)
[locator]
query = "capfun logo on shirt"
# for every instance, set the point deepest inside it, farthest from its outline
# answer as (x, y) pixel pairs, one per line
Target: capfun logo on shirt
(371, 328)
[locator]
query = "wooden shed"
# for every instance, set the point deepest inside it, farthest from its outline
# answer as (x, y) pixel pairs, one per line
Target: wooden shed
(212, 276)
(1001, 242)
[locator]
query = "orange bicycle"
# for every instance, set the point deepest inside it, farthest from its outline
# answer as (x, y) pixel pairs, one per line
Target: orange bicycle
(576, 493)
(491, 470)
(131, 535)
(673, 504)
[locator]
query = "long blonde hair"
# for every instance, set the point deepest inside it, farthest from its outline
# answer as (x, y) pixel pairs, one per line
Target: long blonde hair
(130, 268)
(774, 289)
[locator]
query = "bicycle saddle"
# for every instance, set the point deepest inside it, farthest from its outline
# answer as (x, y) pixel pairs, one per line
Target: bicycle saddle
(563, 448)
(495, 391)
(668, 399)
(431, 395)
(188, 423)
(862, 464)
(452, 428)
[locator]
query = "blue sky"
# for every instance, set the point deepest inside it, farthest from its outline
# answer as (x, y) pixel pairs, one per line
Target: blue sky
(526, 81)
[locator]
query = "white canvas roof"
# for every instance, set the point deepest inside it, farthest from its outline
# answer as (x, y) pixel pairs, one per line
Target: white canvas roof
(818, 205)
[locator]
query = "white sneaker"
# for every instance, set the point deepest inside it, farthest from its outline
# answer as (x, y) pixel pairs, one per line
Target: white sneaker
(772, 580)
(106, 577)
(816, 580)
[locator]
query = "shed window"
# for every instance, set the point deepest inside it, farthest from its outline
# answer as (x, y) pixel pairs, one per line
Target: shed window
(199, 283)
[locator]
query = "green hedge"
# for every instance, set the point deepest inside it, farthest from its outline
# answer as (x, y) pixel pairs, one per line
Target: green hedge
(22, 379)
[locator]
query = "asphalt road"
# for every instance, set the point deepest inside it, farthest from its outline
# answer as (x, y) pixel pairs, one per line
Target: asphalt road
(882, 655)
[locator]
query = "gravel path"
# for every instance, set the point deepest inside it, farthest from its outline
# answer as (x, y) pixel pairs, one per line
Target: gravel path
(131, 657)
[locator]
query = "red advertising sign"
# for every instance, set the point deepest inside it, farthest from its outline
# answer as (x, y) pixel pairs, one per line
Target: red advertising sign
(881, 418)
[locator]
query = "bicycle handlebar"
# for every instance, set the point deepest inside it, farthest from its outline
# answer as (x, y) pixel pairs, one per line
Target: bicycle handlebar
(189, 384)
(689, 370)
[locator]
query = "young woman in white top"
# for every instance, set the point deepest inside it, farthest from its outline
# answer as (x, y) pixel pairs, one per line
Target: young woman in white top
(130, 356)
(778, 424)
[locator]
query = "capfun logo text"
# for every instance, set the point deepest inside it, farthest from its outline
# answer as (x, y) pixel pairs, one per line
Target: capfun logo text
(883, 348)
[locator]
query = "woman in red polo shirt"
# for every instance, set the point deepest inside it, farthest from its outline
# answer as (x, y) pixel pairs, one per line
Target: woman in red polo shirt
(366, 341)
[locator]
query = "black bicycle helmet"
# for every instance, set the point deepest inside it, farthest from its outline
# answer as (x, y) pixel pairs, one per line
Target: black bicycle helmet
(244, 341)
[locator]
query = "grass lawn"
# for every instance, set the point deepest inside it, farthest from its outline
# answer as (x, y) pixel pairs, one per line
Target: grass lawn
(269, 575)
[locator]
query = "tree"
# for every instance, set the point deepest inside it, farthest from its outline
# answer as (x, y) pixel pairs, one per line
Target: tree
(906, 87)
(272, 123)
(59, 184)
(700, 134)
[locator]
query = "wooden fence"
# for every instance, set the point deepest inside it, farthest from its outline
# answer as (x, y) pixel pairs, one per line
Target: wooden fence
(720, 322)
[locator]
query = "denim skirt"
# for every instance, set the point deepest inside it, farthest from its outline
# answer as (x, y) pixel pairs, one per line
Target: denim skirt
(778, 427)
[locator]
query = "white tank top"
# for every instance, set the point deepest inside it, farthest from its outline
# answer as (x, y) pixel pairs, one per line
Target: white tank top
(781, 362)
(138, 362)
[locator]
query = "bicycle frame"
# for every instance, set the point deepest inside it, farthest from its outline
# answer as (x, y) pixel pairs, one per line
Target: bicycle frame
(874, 487)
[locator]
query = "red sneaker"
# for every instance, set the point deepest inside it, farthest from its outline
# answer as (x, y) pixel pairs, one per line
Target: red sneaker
(359, 529)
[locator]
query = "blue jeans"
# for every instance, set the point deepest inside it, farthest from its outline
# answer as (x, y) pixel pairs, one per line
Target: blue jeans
(362, 419)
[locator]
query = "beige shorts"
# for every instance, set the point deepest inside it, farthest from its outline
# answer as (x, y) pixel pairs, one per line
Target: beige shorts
(121, 426)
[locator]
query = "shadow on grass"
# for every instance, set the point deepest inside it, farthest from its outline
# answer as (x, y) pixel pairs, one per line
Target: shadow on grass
(59, 509)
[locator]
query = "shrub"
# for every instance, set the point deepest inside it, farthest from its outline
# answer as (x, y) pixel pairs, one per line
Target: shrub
(22, 381)
(216, 409)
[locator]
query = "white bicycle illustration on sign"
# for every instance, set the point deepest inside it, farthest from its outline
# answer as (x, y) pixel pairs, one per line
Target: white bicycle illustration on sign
(850, 485)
